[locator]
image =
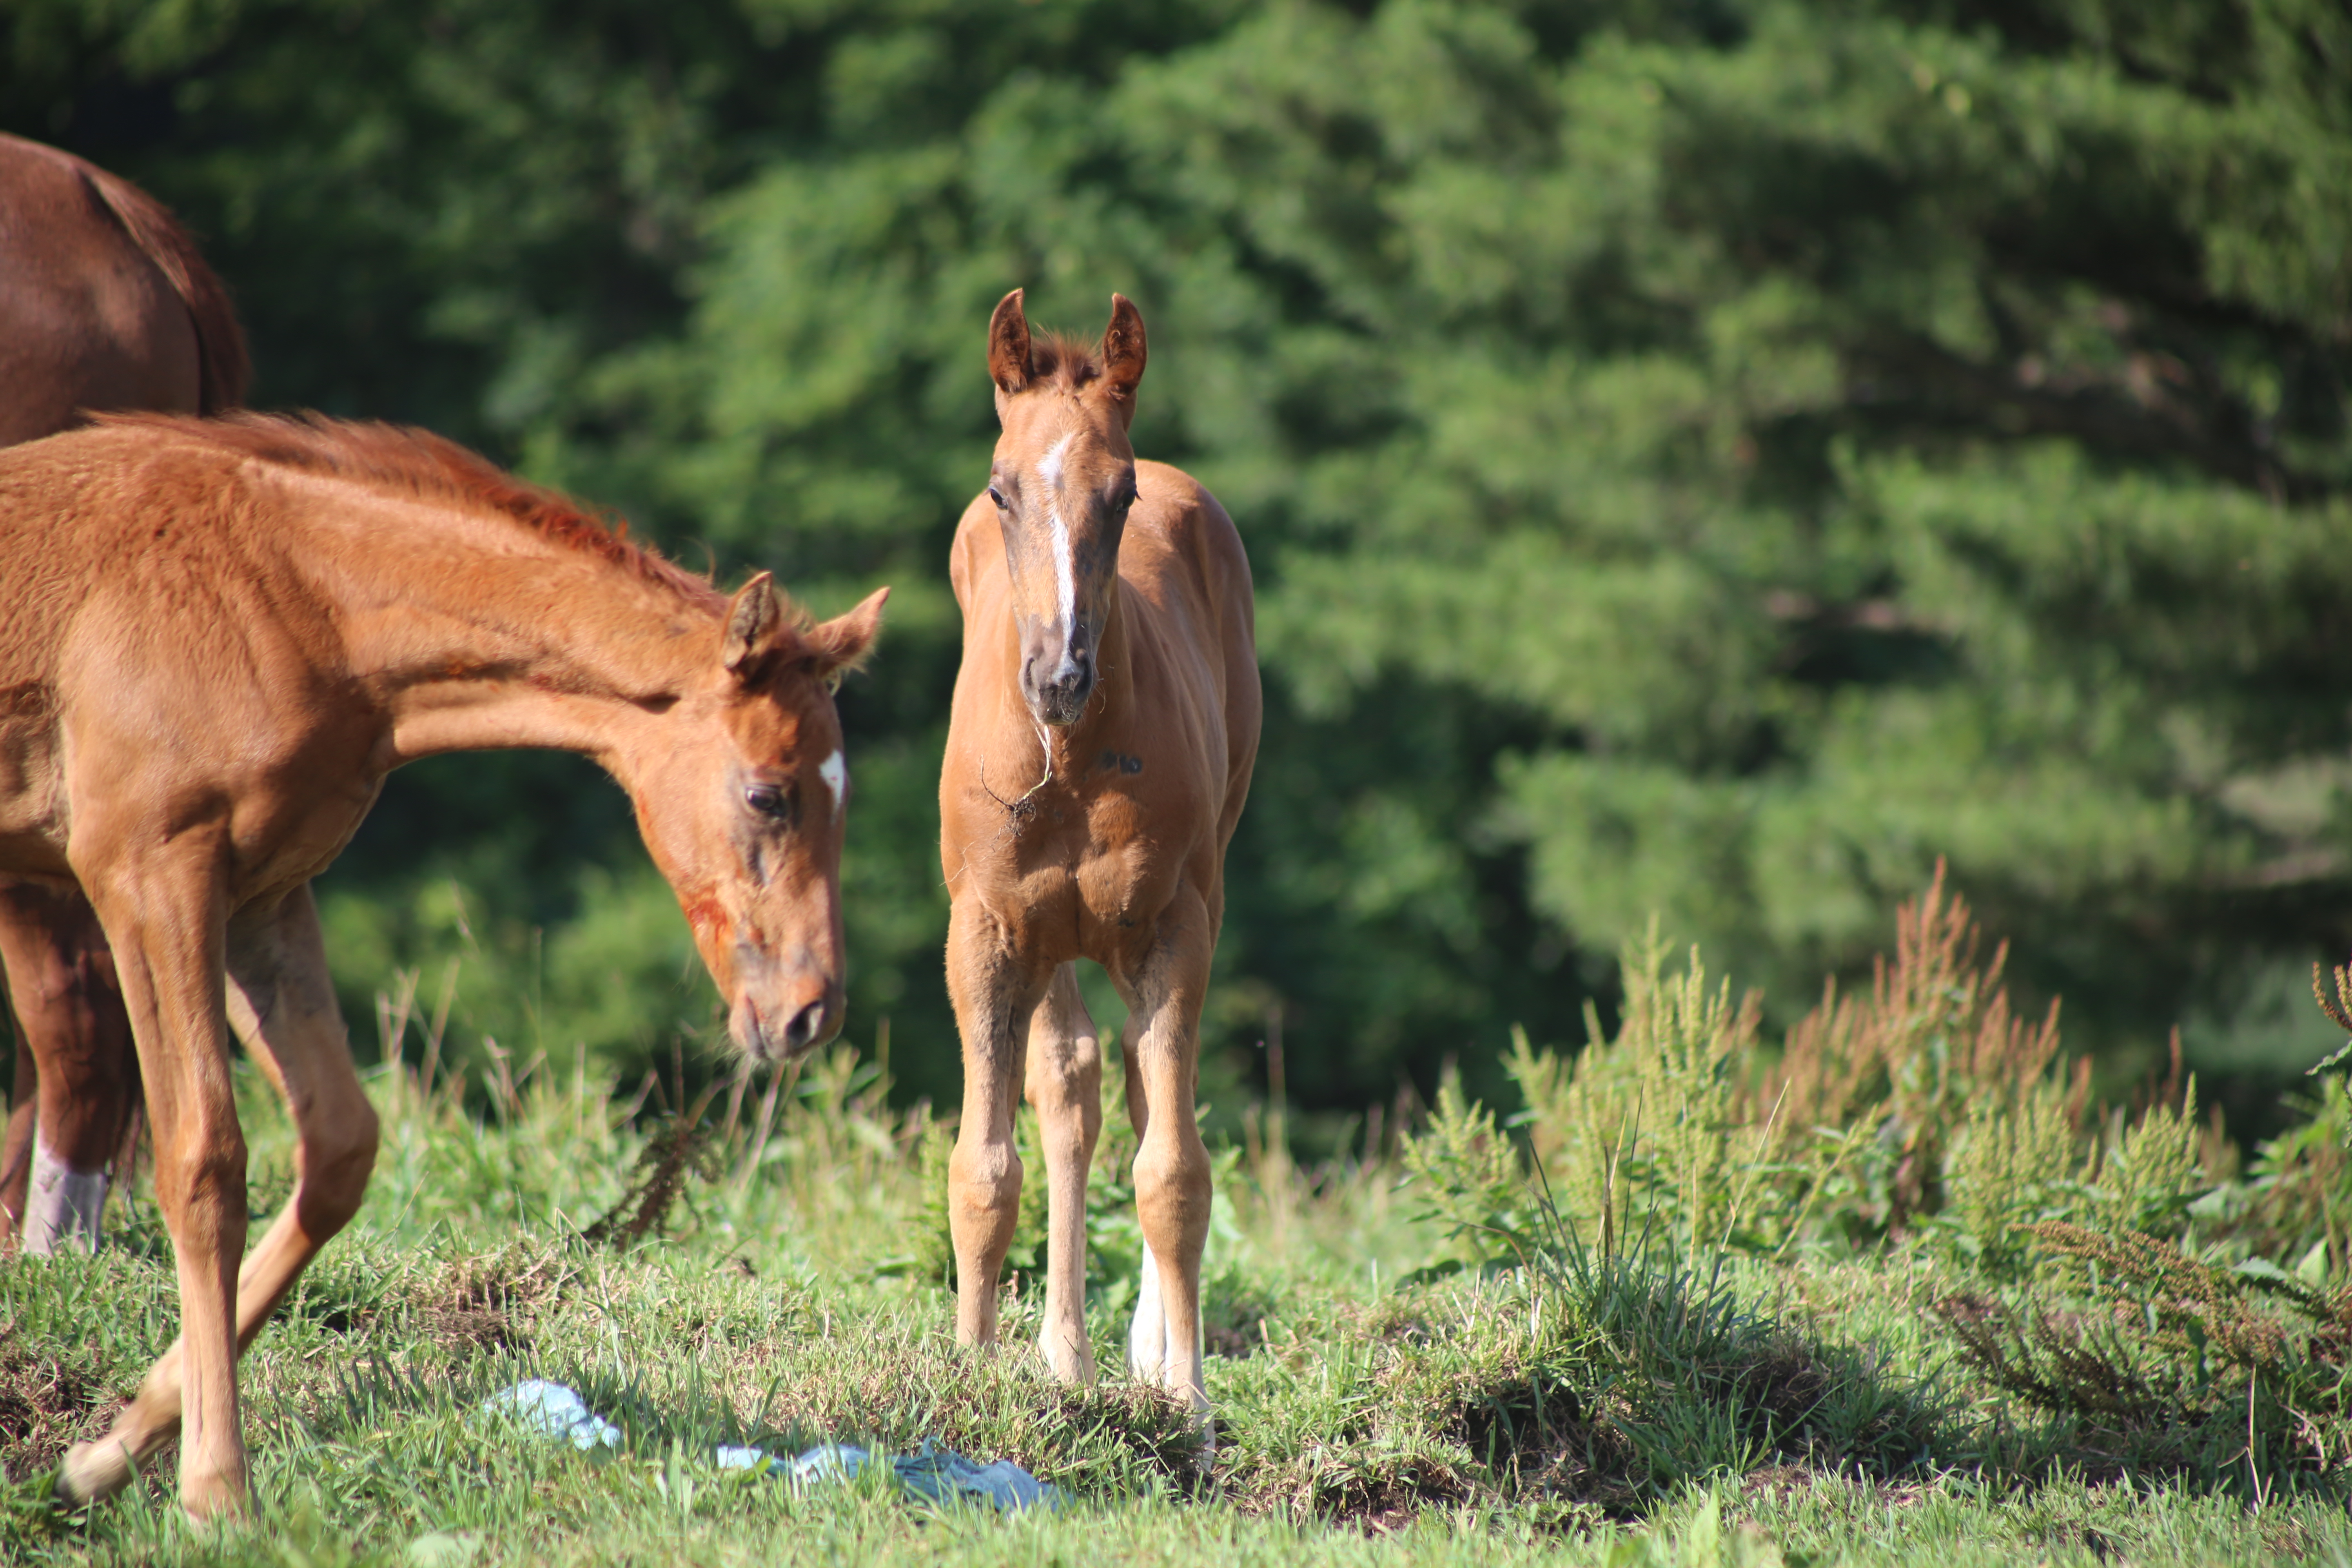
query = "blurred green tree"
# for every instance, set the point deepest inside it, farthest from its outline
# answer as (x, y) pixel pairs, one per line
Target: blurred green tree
(1708, 458)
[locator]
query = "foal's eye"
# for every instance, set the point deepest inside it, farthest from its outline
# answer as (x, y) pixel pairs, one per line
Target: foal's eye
(769, 800)
(997, 496)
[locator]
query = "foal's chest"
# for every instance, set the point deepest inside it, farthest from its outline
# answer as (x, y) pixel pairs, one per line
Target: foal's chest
(1085, 871)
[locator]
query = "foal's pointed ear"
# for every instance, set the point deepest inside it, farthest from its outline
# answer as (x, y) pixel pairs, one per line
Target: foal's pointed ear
(841, 643)
(1123, 353)
(750, 617)
(1008, 345)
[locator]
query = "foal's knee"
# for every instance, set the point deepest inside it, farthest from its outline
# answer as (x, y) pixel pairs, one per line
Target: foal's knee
(984, 1180)
(200, 1184)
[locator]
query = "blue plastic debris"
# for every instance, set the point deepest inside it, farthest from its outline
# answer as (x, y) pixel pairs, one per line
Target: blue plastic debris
(942, 1474)
(553, 1410)
(939, 1475)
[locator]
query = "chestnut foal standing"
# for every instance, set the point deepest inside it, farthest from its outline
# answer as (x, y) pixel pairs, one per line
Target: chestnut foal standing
(216, 637)
(104, 304)
(1105, 724)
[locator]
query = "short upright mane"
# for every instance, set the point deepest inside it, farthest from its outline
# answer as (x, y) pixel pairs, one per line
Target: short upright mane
(1065, 360)
(431, 468)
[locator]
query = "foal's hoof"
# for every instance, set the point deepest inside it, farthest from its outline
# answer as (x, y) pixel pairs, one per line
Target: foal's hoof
(1071, 1363)
(93, 1471)
(212, 1497)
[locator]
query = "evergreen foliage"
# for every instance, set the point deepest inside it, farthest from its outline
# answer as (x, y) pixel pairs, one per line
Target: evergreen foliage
(1710, 458)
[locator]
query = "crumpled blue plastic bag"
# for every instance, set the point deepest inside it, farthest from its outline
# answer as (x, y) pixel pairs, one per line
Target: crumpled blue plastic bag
(552, 1410)
(939, 1475)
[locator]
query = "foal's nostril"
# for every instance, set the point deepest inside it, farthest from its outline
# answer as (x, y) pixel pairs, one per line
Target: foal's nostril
(808, 1026)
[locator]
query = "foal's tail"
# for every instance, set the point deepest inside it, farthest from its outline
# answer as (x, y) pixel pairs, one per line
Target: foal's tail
(220, 342)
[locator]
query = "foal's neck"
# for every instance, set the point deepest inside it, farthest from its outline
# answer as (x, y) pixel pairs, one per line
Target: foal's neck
(540, 647)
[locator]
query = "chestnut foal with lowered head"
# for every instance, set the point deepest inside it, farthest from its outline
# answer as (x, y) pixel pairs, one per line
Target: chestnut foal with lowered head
(104, 304)
(216, 637)
(1105, 720)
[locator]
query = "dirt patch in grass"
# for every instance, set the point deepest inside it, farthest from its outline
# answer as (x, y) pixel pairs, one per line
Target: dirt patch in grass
(485, 1303)
(46, 1405)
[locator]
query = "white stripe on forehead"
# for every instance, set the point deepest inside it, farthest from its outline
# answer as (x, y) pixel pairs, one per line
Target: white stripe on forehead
(1049, 467)
(1066, 580)
(836, 774)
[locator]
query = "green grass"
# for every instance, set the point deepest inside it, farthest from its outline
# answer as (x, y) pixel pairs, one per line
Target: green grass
(1622, 1410)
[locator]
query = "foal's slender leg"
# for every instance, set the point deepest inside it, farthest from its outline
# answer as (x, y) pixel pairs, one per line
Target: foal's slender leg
(1065, 1087)
(17, 1144)
(282, 1004)
(1172, 1164)
(1147, 1337)
(992, 1001)
(76, 1041)
(165, 922)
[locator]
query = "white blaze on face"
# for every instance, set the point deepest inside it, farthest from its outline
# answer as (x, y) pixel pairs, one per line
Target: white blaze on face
(836, 774)
(1066, 579)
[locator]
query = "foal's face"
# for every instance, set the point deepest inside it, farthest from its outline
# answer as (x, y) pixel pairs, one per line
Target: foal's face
(1062, 482)
(744, 810)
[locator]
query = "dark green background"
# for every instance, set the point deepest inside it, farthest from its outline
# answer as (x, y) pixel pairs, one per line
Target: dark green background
(1712, 459)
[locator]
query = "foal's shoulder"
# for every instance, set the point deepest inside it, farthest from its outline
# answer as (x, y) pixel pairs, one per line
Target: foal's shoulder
(1180, 509)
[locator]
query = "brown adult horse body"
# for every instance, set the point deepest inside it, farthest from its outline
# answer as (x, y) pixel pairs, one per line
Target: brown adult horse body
(215, 640)
(104, 304)
(1105, 724)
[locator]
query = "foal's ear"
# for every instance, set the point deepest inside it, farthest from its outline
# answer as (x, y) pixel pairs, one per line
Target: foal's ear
(750, 619)
(1123, 353)
(1008, 345)
(841, 643)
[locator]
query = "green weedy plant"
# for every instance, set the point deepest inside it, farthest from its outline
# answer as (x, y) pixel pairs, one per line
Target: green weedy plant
(1652, 1128)
(2153, 1169)
(1925, 1106)
(2238, 1377)
(2296, 1198)
(1469, 1178)
(2019, 1158)
(1642, 1369)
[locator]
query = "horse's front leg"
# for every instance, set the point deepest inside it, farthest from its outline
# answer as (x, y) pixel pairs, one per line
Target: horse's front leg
(1065, 1080)
(165, 923)
(994, 999)
(1162, 1046)
(282, 1004)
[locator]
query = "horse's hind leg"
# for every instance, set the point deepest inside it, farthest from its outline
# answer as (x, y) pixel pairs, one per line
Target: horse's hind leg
(282, 1004)
(1172, 1164)
(992, 1001)
(76, 1038)
(1066, 1086)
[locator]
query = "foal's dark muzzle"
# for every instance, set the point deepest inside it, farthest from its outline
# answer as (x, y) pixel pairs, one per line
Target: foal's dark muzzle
(1057, 684)
(778, 1018)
